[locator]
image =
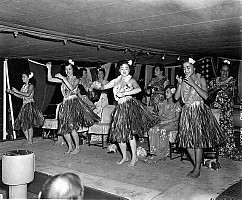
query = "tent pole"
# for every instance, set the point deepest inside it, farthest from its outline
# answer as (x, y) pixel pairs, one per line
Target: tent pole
(4, 101)
(10, 101)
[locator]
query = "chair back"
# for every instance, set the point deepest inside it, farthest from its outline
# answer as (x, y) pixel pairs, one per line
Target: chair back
(107, 113)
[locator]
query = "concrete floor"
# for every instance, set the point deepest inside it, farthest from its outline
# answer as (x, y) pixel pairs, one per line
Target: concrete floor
(99, 170)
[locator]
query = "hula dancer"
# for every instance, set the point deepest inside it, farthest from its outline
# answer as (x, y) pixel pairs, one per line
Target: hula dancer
(130, 117)
(29, 115)
(73, 112)
(198, 127)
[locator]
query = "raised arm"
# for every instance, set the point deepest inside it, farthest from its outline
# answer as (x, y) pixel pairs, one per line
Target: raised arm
(136, 89)
(178, 89)
(49, 76)
(15, 94)
(108, 85)
(167, 82)
(231, 90)
(23, 94)
(67, 83)
(202, 91)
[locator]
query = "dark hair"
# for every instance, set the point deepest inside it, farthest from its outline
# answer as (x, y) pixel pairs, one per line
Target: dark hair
(63, 186)
(63, 68)
(196, 65)
(187, 60)
(225, 64)
(120, 63)
(82, 70)
(160, 66)
(31, 80)
(102, 70)
(170, 87)
(197, 68)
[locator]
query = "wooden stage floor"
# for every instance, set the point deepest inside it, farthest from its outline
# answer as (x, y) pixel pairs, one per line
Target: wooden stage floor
(98, 169)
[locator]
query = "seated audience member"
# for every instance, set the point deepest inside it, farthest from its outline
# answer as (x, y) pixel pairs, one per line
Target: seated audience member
(84, 88)
(63, 186)
(99, 97)
(169, 113)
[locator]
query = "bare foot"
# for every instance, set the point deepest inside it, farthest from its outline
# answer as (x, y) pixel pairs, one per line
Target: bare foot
(193, 174)
(133, 162)
(75, 151)
(189, 173)
(122, 161)
(196, 174)
(29, 142)
(68, 151)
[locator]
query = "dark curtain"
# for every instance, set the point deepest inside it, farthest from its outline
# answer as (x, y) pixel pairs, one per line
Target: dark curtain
(44, 90)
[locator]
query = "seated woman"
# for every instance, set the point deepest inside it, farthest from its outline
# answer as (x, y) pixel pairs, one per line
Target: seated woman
(169, 113)
(84, 88)
(99, 97)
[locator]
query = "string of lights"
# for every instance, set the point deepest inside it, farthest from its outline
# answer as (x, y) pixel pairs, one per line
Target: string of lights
(135, 51)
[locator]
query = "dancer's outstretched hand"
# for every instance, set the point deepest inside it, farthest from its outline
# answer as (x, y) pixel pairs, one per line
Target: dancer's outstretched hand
(179, 79)
(189, 81)
(48, 65)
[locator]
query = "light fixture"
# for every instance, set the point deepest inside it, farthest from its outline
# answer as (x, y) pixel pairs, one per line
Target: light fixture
(147, 53)
(179, 57)
(227, 61)
(64, 42)
(126, 50)
(15, 34)
(163, 57)
(98, 47)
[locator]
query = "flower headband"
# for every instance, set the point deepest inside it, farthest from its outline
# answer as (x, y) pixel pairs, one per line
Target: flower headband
(31, 75)
(173, 90)
(190, 60)
(227, 62)
(71, 61)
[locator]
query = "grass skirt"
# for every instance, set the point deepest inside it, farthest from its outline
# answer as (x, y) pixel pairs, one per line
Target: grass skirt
(29, 116)
(199, 128)
(73, 114)
(131, 118)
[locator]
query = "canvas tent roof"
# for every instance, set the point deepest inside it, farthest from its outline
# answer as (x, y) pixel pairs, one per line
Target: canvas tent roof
(103, 30)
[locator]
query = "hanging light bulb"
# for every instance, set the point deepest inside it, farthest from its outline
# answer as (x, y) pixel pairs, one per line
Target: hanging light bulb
(163, 57)
(126, 50)
(15, 34)
(64, 42)
(98, 47)
(179, 57)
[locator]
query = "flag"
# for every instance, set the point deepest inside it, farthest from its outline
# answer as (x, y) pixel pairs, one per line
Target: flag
(206, 67)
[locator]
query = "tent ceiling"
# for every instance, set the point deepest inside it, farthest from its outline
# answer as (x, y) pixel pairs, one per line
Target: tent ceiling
(101, 30)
